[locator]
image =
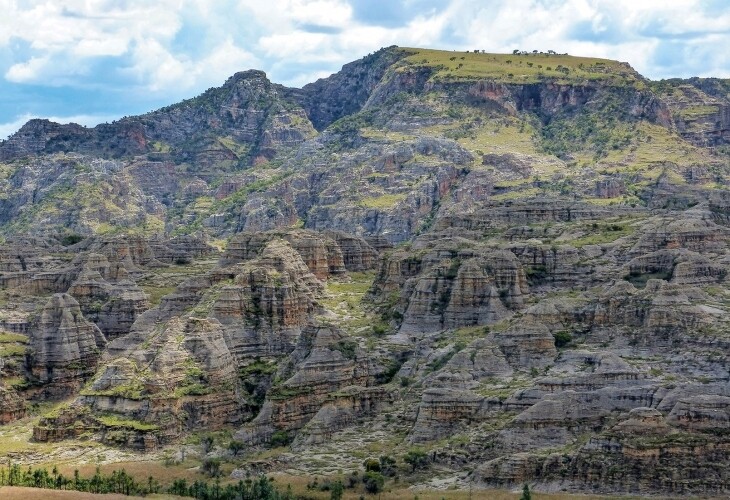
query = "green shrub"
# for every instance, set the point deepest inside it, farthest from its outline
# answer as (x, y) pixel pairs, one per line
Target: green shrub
(235, 447)
(371, 465)
(211, 467)
(417, 459)
(71, 239)
(207, 441)
(374, 482)
(347, 348)
(391, 367)
(562, 338)
(639, 279)
(336, 490)
(280, 438)
(387, 466)
(352, 479)
(526, 495)
(379, 330)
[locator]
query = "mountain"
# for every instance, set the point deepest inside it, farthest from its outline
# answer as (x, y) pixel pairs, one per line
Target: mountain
(513, 266)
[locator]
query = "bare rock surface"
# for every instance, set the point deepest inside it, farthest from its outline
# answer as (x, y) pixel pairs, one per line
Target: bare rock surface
(65, 348)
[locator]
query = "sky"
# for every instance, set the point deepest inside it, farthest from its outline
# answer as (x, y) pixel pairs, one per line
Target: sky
(91, 61)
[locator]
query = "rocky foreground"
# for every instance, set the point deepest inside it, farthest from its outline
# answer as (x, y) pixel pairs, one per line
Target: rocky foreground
(516, 264)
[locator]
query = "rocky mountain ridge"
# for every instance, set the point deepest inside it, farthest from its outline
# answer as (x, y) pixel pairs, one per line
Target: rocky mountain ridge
(516, 264)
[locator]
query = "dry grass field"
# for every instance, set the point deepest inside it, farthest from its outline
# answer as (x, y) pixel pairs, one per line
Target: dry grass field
(15, 493)
(299, 486)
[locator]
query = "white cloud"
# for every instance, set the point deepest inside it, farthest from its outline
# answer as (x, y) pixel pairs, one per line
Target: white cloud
(300, 46)
(27, 71)
(224, 60)
(65, 34)
(280, 16)
(110, 46)
(319, 12)
(305, 46)
(160, 70)
(156, 66)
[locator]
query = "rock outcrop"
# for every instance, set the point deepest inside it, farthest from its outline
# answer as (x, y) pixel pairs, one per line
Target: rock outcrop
(183, 378)
(448, 288)
(323, 363)
(321, 254)
(12, 406)
(64, 347)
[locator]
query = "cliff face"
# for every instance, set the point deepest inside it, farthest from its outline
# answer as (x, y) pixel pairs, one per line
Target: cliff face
(641, 454)
(517, 263)
(13, 407)
(317, 368)
(347, 91)
(700, 108)
(64, 347)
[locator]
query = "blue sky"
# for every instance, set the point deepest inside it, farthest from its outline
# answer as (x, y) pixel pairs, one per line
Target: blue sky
(91, 61)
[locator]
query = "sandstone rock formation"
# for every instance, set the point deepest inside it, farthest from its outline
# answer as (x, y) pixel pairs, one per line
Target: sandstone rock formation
(322, 363)
(13, 406)
(517, 267)
(65, 348)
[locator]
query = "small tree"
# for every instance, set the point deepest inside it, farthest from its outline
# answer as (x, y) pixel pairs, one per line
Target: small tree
(337, 490)
(235, 447)
(280, 438)
(207, 442)
(526, 493)
(562, 338)
(71, 239)
(417, 459)
(211, 467)
(352, 479)
(371, 465)
(374, 482)
(387, 466)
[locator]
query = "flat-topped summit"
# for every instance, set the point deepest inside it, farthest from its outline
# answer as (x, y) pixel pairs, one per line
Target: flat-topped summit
(520, 66)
